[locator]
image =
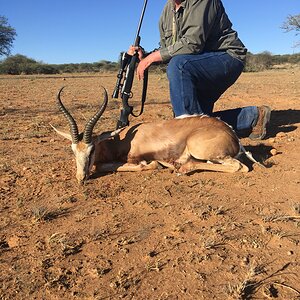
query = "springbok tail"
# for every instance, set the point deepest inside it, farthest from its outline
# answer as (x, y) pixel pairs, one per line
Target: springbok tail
(249, 155)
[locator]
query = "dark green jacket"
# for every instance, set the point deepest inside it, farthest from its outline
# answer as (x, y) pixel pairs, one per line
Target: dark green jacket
(200, 26)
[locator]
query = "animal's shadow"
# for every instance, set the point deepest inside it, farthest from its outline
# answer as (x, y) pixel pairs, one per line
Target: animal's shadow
(260, 153)
(281, 121)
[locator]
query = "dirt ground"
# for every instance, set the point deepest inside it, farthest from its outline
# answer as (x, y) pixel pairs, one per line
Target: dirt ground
(153, 234)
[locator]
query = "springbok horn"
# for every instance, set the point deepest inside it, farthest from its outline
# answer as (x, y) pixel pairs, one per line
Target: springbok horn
(88, 130)
(72, 123)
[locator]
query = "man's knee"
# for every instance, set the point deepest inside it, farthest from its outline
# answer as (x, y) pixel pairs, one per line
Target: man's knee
(175, 65)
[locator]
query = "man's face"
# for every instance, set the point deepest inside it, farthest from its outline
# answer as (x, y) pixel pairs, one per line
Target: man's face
(178, 2)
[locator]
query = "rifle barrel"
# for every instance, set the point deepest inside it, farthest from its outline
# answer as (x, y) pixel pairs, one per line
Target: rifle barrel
(137, 38)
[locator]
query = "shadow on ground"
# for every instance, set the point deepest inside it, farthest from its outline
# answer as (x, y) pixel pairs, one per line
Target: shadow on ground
(283, 121)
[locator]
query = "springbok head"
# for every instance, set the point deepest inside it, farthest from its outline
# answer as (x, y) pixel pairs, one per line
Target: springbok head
(83, 144)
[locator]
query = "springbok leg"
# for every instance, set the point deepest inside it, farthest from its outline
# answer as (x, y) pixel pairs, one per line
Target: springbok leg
(229, 165)
(126, 167)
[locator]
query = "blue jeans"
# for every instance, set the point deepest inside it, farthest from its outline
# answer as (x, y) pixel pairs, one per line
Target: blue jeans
(198, 80)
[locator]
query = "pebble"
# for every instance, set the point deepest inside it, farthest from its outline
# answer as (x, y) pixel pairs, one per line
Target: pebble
(273, 151)
(245, 261)
(13, 241)
(281, 134)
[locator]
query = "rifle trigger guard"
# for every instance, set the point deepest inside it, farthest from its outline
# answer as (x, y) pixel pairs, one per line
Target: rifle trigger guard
(130, 94)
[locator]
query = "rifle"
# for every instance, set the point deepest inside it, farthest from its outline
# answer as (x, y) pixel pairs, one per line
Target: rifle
(127, 66)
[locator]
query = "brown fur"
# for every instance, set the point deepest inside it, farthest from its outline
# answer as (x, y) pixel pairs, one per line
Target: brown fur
(201, 137)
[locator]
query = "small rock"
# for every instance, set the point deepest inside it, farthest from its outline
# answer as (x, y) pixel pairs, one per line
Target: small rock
(14, 241)
(245, 261)
(273, 152)
(281, 134)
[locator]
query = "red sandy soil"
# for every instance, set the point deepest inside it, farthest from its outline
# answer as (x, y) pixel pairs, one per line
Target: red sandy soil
(152, 234)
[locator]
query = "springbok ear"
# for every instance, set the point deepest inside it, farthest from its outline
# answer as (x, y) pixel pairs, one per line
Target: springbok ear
(64, 134)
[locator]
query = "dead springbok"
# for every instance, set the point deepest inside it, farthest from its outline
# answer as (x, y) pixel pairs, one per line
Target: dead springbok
(182, 144)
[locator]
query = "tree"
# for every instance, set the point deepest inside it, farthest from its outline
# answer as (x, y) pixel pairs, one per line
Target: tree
(258, 62)
(18, 64)
(7, 36)
(21, 64)
(292, 23)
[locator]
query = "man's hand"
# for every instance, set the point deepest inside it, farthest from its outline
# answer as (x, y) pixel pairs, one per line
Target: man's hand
(146, 63)
(142, 66)
(133, 49)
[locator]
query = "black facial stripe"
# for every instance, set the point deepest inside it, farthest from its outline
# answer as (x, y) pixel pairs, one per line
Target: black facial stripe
(90, 156)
